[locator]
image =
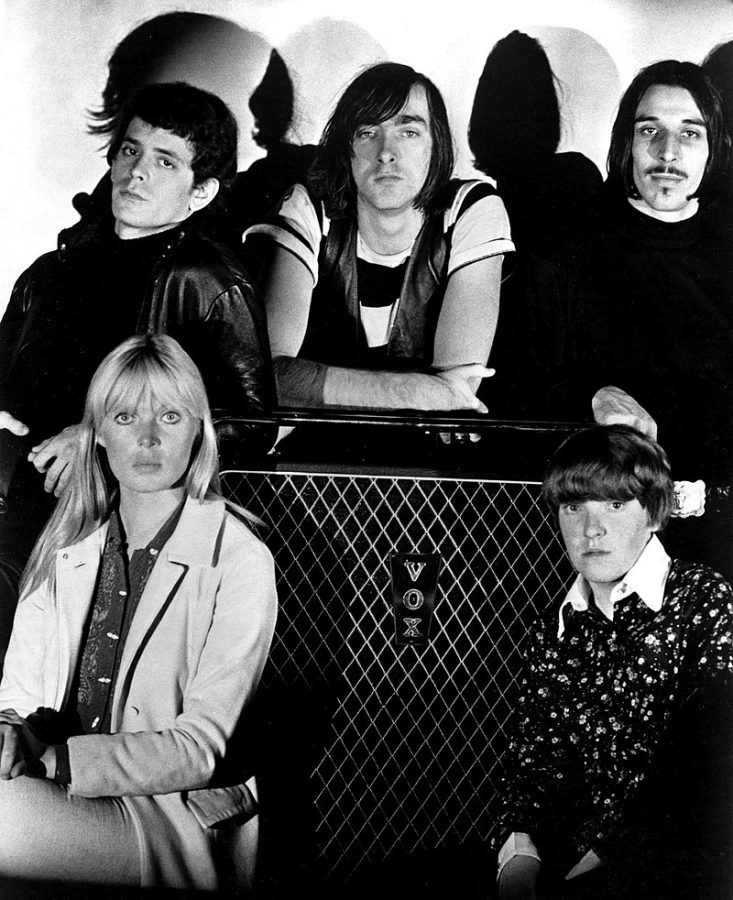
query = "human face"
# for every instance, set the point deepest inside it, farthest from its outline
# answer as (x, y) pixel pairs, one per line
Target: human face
(604, 538)
(669, 153)
(390, 160)
(153, 182)
(149, 445)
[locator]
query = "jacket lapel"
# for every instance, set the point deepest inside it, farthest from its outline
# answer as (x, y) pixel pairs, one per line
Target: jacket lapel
(194, 543)
(76, 577)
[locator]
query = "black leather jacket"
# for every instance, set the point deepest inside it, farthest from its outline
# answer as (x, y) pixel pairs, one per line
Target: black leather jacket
(198, 293)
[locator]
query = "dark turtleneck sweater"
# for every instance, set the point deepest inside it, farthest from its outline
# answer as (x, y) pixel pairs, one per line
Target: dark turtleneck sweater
(628, 300)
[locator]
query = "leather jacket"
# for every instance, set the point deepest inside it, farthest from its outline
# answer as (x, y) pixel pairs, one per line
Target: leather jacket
(198, 293)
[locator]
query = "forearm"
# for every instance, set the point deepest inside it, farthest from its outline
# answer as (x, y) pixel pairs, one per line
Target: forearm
(143, 762)
(300, 382)
(390, 390)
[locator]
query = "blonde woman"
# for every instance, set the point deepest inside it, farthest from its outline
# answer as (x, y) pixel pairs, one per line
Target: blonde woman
(145, 619)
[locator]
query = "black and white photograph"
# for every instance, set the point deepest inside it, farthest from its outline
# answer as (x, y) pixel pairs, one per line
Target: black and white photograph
(366, 449)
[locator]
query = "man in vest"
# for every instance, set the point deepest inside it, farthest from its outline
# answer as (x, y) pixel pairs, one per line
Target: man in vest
(382, 288)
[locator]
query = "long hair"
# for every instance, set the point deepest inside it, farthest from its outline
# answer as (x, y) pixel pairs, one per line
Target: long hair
(152, 365)
(374, 96)
(672, 73)
(516, 112)
(611, 462)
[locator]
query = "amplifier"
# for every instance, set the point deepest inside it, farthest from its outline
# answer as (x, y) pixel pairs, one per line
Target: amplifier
(375, 748)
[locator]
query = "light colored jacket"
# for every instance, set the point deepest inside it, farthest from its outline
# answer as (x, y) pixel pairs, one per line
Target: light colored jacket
(193, 658)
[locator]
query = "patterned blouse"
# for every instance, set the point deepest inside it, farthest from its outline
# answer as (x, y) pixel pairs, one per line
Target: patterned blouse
(596, 701)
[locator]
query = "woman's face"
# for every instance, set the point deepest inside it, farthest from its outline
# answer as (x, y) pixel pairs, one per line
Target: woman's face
(149, 444)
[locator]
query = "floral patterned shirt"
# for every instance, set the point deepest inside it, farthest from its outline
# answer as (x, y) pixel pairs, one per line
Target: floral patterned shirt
(596, 698)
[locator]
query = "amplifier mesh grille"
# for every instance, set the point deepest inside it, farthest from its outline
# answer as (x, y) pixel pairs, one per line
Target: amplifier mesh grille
(403, 744)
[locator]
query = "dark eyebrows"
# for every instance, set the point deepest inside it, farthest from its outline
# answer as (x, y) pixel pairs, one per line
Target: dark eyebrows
(402, 119)
(410, 118)
(699, 122)
(163, 151)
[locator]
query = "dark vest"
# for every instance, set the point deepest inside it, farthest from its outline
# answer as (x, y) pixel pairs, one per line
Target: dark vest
(335, 335)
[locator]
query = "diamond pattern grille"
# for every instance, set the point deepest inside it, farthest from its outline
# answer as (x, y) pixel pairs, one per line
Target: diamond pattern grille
(409, 755)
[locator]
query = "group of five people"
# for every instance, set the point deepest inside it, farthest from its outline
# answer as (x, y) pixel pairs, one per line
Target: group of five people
(380, 281)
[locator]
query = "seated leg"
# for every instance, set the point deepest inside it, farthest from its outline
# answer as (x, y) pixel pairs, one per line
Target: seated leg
(46, 834)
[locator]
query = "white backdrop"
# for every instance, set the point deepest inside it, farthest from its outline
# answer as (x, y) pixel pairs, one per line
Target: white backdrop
(54, 53)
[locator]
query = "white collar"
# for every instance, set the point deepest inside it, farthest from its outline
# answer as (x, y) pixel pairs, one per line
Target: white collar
(647, 578)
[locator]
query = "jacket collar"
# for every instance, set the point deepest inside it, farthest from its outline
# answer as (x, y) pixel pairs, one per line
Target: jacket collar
(196, 540)
(647, 578)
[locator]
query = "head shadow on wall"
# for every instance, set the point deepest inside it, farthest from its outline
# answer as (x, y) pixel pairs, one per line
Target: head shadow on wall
(206, 51)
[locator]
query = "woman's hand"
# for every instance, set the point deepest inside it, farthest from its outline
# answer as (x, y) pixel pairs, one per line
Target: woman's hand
(20, 749)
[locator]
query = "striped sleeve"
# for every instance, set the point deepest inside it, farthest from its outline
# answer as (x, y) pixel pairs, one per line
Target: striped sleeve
(296, 228)
(479, 224)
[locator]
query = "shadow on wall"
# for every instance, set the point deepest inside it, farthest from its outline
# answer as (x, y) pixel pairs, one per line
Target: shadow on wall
(348, 49)
(590, 90)
(258, 191)
(719, 66)
(206, 51)
(543, 190)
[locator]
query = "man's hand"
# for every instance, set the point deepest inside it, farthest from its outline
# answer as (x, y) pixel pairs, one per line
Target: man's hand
(20, 750)
(463, 381)
(10, 423)
(612, 406)
(56, 457)
(518, 879)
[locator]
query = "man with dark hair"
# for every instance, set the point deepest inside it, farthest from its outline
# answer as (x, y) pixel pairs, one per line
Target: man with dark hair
(383, 290)
(618, 776)
(143, 266)
(630, 313)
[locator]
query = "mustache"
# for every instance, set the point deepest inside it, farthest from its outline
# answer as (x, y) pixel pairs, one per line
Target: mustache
(666, 170)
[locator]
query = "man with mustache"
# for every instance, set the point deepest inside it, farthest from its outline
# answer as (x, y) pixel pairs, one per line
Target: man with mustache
(383, 285)
(630, 314)
(144, 266)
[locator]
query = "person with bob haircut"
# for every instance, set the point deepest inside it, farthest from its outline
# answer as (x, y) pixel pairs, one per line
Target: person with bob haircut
(142, 262)
(618, 774)
(627, 315)
(383, 273)
(145, 619)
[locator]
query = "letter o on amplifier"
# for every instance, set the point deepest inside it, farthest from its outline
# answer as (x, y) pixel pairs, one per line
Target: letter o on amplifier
(413, 599)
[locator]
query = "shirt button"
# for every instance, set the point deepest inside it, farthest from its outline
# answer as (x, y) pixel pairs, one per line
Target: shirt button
(123, 593)
(64, 556)
(153, 551)
(104, 680)
(95, 722)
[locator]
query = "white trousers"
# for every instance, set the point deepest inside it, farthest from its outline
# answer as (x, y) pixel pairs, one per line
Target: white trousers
(50, 835)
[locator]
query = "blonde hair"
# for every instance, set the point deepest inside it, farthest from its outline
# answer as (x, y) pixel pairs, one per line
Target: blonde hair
(152, 365)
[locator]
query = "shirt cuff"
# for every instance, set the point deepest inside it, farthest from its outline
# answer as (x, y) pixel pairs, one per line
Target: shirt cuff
(517, 844)
(62, 775)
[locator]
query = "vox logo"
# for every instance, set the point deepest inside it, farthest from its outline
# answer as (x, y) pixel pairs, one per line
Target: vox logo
(414, 589)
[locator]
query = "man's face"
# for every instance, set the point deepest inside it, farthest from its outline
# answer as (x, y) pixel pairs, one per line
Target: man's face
(152, 181)
(390, 160)
(669, 153)
(604, 538)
